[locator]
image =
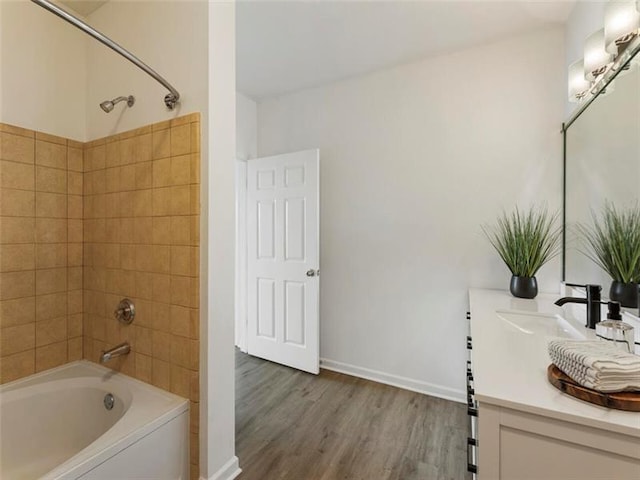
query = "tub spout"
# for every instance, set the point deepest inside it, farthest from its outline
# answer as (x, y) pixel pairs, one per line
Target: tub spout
(122, 349)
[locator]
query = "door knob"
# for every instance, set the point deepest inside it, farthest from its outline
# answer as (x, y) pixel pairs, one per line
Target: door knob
(311, 273)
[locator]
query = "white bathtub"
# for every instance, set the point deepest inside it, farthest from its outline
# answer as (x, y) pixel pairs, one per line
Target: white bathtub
(54, 425)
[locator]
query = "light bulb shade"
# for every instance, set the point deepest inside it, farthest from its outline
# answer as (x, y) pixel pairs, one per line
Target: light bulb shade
(596, 58)
(621, 23)
(578, 86)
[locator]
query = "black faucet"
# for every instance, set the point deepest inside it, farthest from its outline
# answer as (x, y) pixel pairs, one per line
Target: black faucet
(592, 302)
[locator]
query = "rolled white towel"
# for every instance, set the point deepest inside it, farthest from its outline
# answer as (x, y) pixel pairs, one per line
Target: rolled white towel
(596, 364)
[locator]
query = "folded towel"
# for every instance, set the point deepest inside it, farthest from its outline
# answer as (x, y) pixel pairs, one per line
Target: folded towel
(598, 365)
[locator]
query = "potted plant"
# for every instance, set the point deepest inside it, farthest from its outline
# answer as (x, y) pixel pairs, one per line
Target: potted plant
(613, 243)
(525, 241)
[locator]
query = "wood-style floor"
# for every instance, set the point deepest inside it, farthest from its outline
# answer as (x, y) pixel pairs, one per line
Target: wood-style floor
(297, 426)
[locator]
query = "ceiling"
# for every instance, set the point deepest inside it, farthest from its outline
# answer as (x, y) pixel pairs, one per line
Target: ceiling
(83, 7)
(287, 46)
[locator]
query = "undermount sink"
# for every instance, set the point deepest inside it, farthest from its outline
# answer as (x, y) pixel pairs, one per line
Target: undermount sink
(545, 324)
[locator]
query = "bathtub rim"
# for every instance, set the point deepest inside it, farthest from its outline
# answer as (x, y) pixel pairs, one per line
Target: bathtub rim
(110, 445)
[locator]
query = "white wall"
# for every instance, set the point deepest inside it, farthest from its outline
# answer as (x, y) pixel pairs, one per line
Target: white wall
(218, 461)
(170, 37)
(246, 127)
(42, 71)
(412, 160)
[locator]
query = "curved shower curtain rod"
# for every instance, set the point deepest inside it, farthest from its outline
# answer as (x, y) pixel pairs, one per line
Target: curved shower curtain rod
(170, 99)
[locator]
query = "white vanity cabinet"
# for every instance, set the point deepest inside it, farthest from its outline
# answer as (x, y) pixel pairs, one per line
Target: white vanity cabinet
(526, 428)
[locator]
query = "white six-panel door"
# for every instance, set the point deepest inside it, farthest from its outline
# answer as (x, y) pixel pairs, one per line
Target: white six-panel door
(283, 259)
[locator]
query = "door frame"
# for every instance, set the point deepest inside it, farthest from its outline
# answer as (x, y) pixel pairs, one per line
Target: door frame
(241, 254)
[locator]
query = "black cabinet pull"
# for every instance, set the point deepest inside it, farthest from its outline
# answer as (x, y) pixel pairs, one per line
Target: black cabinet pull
(472, 412)
(472, 442)
(471, 468)
(469, 346)
(468, 366)
(468, 315)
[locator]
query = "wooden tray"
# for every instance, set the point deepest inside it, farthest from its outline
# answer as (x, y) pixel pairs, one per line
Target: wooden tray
(628, 401)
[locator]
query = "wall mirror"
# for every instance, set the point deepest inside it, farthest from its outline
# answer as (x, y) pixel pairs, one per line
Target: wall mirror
(602, 164)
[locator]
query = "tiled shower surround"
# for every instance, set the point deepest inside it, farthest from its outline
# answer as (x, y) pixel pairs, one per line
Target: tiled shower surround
(113, 218)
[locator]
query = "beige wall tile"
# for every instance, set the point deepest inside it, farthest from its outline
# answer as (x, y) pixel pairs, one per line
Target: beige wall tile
(161, 144)
(112, 179)
(181, 351)
(51, 255)
(74, 159)
(181, 260)
(182, 291)
(194, 417)
(74, 325)
(51, 205)
(162, 201)
(52, 280)
(181, 170)
(17, 311)
(51, 180)
(75, 230)
(180, 381)
(143, 230)
(74, 302)
(144, 340)
(180, 140)
(113, 154)
(128, 258)
(195, 137)
(17, 339)
(144, 175)
(161, 230)
(180, 321)
(74, 278)
(195, 168)
(144, 285)
(5, 127)
(161, 288)
(143, 147)
(95, 158)
(144, 367)
(162, 172)
(161, 373)
(17, 175)
(46, 137)
(74, 206)
(161, 258)
(194, 192)
(144, 261)
(17, 257)
(51, 306)
(74, 183)
(180, 230)
(180, 200)
(17, 203)
(51, 356)
(16, 284)
(161, 345)
(17, 366)
(142, 203)
(51, 154)
(127, 177)
(51, 230)
(51, 331)
(127, 154)
(16, 148)
(74, 349)
(161, 317)
(74, 254)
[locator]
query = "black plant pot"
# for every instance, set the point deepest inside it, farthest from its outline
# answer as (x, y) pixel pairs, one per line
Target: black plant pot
(625, 293)
(523, 287)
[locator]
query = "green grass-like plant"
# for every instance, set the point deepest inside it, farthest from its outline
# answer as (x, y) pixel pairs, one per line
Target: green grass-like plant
(613, 242)
(525, 240)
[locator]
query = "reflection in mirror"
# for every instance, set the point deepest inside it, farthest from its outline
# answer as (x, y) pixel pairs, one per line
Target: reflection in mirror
(602, 164)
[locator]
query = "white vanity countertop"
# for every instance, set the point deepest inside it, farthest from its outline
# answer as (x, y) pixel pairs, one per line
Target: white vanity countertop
(510, 367)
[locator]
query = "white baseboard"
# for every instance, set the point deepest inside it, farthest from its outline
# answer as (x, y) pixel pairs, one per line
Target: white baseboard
(229, 471)
(395, 380)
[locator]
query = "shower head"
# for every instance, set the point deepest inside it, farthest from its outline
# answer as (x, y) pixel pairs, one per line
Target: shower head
(108, 105)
